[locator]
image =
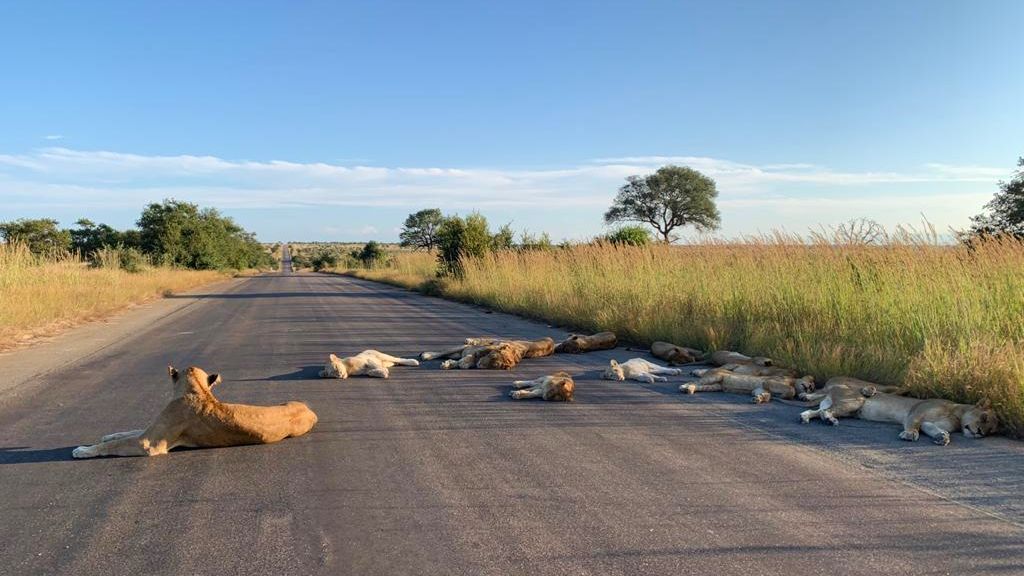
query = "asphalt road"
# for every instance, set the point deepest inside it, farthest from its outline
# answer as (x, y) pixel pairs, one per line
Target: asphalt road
(435, 472)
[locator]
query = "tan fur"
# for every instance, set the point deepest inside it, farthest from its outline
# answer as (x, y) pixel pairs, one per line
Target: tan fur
(491, 354)
(761, 388)
(195, 418)
(638, 369)
(578, 343)
(841, 397)
(557, 387)
(723, 357)
(368, 362)
(936, 418)
(675, 355)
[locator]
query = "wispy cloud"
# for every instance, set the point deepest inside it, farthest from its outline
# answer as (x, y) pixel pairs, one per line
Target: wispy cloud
(53, 137)
(59, 176)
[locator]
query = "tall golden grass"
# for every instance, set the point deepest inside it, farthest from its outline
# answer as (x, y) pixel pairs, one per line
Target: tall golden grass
(41, 296)
(946, 320)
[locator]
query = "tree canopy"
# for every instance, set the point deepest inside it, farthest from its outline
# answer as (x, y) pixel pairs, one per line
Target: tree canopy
(420, 229)
(672, 197)
(41, 235)
(1004, 214)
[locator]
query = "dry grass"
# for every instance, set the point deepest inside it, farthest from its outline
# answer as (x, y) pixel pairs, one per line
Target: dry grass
(945, 320)
(42, 297)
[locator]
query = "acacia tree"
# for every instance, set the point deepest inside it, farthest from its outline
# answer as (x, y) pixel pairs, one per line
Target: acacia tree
(41, 235)
(420, 229)
(672, 197)
(1004, 214)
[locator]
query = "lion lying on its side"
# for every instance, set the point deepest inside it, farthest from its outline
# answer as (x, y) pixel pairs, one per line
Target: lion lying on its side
(675, 355)
(556, 387)
(936, 418)
(194, 418)
(841, 397)
(781, 384)
(723, 357)
(490, 354)
(369, 362)
(638, 369)
(578, 343)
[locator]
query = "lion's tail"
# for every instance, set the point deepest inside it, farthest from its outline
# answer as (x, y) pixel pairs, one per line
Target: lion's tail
(801, 403)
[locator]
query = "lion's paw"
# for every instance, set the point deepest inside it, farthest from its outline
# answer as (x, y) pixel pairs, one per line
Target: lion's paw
(942, 439)
(763, 398)
(909, 435)
(688, 388)
(83, 452)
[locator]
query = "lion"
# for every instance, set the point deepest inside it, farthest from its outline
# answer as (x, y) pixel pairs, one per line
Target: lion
(368, 362)
(194, 418)
(578, 343)
(761, 388)
(638, 369)
(557, 387)
(675, 355)
(491, 354)
(841, 397)
(723, 357)
(936, 418)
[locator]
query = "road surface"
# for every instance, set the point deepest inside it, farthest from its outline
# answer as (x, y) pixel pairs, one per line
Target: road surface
(435, 472)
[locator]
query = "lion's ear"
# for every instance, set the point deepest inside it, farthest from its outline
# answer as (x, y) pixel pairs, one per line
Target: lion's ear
(173, 373)
(332, 357)
(614, 363)
(212, 380)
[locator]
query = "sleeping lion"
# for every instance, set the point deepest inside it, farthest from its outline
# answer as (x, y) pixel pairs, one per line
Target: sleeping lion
(675, 355)
(557, 387)
(578, 343)
(638, 369)
(194, 418)
(491, 354)
(369, 362)
(761, 387)
(842, 397)
(936, 418)
(723, 357)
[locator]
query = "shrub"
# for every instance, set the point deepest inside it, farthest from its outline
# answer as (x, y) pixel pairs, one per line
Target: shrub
(630, 236)
(460, 238)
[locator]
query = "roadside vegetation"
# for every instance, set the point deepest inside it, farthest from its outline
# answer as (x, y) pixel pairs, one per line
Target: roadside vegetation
(946, 319)
(52, 278)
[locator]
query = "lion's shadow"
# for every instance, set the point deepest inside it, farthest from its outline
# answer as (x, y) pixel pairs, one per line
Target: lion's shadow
(26, 455)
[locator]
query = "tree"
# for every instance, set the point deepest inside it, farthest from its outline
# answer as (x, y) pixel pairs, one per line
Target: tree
(673, 196)
(90, 237)
(459, 238)
(504, 238)
(42, 235)
(1004, 214)
(372, 254)
(420, 229)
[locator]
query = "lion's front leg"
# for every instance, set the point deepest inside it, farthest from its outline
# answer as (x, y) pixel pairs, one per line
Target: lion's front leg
(761, 396)
(117, 435)
(526, 383)
(937, 434)
(127, 446)
(535, 392)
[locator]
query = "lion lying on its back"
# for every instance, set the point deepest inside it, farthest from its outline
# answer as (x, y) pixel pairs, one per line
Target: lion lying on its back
(194, 418)
(491, 354)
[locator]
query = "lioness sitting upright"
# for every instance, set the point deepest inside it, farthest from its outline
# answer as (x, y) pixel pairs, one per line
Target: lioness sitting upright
(761, 388)
(194, 418)
(369, 362)
(675, 355)
(578, 343)
(638, 369)
(936, 418)
(491, 354)
(556, 387)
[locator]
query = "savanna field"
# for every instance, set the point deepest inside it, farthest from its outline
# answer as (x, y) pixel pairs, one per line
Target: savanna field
(41, 295)
(947, 321)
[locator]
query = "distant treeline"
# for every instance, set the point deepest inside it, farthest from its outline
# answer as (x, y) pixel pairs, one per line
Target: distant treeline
(170, 233)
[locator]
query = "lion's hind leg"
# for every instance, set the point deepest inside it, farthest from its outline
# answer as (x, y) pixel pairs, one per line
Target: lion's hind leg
(698, 387)
(396, 360)
(527, 383)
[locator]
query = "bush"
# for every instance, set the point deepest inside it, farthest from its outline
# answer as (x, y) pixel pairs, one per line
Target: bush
(459, 238)
(372, 254)
(120, 258)
(629, 236)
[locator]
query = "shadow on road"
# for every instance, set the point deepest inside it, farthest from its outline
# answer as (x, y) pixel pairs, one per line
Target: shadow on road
(25, 455)
(304, 373)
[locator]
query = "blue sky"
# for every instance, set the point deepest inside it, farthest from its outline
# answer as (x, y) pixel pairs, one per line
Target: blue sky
(332, 121)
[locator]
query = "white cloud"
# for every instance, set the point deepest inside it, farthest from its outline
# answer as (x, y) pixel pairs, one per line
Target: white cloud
(53, 137)
(65, 177)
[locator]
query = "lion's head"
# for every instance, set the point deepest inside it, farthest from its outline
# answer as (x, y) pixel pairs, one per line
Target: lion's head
(195, 381)
(980, 420)
(334, 368)
(561, 388)
(614, 372)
